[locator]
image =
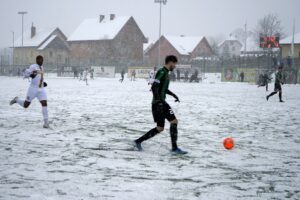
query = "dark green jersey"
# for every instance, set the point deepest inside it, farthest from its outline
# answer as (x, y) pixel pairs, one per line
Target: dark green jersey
(162, 77)
(278, 78)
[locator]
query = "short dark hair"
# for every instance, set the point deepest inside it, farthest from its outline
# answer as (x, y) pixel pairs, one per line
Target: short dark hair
(39, 57)
(171, 58)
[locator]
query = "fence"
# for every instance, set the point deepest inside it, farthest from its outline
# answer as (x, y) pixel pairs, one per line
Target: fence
(248, 65)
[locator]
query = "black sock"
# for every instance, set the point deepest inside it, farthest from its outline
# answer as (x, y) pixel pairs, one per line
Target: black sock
(272, 94)
(280, 96)
(173, 134)
(148, 135)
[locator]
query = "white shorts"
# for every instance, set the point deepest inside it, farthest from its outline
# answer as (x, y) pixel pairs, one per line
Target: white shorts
(35, 92)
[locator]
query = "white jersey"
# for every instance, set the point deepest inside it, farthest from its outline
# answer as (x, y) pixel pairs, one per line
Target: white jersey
(35, 82)
(85, 74)
(151, 77)
(34, 91)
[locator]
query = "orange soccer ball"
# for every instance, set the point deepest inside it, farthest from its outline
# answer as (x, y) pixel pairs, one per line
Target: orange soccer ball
(228, 143)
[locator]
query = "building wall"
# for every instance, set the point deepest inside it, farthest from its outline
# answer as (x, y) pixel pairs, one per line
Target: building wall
(55, 53)
(285, 50)
(151, 57)
(128, 45)
(203, 49)
(125, 49)
(230, 48)
(87, 53)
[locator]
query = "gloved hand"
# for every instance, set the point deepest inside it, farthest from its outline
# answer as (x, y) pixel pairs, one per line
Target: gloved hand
(176, 98)
(33, 75)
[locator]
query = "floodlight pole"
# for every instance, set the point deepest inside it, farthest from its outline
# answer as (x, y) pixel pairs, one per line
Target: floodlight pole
(22, 13)
(160, 5)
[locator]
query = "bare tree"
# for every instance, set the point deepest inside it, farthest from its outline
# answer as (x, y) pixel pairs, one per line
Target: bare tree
(269, 25)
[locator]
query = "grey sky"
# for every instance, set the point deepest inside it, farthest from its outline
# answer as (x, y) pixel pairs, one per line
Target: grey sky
(189, 17)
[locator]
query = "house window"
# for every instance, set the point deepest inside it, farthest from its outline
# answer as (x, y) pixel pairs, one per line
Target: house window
(50, 54)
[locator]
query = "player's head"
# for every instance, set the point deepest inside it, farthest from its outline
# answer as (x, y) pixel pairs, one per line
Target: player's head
(280, 67)
(39, 60)
(170, 62)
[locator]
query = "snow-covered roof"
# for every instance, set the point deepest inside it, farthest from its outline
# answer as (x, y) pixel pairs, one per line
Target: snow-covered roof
(230, 38)
(47, 42)
(93, 29)
(184, 44)
(40, 36)
(288, 40)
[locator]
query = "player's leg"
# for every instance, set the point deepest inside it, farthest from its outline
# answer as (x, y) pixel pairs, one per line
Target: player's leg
(173, 130)
(42, 97)
(31, 94)
(276, 89)
(280, 95)
(45, 113)
(159, 118)
(173, 126)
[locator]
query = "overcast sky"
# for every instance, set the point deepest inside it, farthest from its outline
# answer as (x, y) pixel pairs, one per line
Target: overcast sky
(188, 17)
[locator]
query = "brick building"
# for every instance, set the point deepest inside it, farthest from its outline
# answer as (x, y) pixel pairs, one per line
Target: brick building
(107, 40)
(50, 43)
(184, 47)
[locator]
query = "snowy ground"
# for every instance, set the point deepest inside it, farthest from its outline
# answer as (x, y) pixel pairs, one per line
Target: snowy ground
(85, 154)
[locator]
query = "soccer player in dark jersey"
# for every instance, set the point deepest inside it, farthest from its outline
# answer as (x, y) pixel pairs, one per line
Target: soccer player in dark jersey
(122, 76)
(278, 83)
(160, 108)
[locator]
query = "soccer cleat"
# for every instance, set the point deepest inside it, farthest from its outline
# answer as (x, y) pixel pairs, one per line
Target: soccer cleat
(13, 101)
(179, 151)
(267, 97)
(281, 101)
(46, 125)
(138, 146)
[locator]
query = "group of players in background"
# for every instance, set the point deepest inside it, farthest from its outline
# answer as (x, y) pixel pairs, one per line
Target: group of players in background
(159, 80)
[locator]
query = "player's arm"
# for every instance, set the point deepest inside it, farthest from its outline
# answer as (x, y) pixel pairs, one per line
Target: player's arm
(156, 84)
(173, 95)
(30, 72)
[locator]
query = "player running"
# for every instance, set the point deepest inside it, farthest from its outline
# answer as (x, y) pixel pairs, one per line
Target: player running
(122, 76)
(278, 83)
(85, 76)
(151, 77)
(160, 108)
(264, 80)
(36, 88)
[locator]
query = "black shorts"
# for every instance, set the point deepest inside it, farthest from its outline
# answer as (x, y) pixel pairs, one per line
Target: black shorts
(159, 116)
(277, 88)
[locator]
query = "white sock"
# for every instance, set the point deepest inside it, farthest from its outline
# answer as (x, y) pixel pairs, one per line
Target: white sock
(45, 113)
(20, 102)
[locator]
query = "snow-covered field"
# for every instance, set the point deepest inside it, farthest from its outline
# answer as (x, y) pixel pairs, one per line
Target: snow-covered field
(85, 155)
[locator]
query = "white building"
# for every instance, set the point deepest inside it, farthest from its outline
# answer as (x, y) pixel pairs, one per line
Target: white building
(231, 47)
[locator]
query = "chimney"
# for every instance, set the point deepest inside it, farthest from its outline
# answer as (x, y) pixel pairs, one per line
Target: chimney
(112, 16)
(33, 31)
(101, 18)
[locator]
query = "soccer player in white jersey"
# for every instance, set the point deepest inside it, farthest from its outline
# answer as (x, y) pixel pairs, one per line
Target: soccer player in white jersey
(36, 88)
(85, 76)
(151, 77)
